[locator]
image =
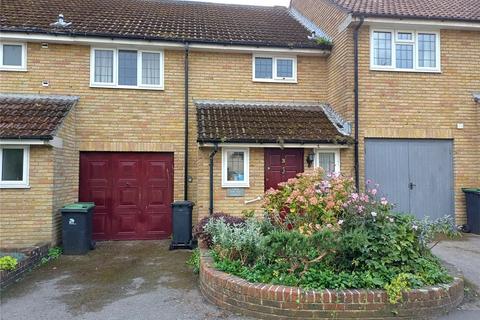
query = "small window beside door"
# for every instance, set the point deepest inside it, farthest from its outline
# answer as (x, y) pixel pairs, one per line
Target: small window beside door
(235, 167)
(274, 69)
(129, 69)
(14, 166)
(13, 57)
(329, 160)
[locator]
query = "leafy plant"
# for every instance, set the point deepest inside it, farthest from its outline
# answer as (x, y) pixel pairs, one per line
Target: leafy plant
(53, 254)
(395, 288)
(198, 230)
(194, 261)
(323, 41)
(8, 263)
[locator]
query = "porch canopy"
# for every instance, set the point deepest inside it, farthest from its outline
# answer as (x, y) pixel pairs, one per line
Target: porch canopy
(261, 123)
(32, 119)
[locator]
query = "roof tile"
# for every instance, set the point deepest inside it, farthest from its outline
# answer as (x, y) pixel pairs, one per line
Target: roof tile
(166, 20)
(266, 122)
(32, 116)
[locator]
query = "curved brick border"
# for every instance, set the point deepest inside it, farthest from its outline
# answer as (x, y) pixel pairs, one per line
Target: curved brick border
(267, 301)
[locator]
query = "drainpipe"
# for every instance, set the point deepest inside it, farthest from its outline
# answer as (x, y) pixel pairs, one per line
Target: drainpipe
(212, 155)
(185, 182)
(355, 62)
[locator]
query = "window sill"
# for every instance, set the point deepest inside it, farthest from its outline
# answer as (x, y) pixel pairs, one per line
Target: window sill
(14, 186)
(405, 70)
(13, 69)
(240, 185)
(275, 81)
(126, 87)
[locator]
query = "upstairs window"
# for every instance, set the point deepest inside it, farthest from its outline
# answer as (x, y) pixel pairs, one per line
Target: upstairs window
(14, 166)
(274, 69)
(121, 68)
(13, 56)
(402, 50)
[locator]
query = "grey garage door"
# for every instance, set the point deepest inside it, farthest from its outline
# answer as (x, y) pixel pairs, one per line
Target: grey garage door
(416, 175)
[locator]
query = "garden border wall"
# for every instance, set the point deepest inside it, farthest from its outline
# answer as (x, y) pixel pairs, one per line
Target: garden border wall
(267, 301)
(34, 258)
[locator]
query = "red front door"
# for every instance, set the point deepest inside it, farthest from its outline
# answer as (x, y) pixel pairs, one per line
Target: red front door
(281, 165)
(132, 192)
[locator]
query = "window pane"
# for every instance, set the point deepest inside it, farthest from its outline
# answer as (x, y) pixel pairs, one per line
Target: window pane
(150, 68)
(12, 165)
(263, 68)
(12, 55)
(426, 50)
(326, 160)
(382, 48)
(104, 66)
(127, 67)
(405, 36)
(284, 68)
(235, 166)
(404, 56)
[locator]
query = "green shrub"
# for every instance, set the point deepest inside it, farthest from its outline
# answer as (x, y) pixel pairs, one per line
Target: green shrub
(8, 263)
(194, 261)
(53, 254)
(318, 233)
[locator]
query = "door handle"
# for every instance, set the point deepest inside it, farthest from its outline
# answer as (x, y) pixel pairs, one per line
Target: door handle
(411, 185)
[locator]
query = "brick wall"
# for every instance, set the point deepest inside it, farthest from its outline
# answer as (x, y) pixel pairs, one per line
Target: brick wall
(26, 214)
(267, 301)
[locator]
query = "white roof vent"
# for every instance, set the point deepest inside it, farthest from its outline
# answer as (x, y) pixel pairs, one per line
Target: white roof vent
(60, 23)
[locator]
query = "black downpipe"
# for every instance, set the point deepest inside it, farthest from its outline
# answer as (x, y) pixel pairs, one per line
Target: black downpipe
(185, 182)
(356, 121)
(212, 155)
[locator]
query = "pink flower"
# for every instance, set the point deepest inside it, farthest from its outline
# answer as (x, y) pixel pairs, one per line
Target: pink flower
(354, 196)
(313, 201)
(383, 201)
(369, 181)
(360, 208)
(373, 191)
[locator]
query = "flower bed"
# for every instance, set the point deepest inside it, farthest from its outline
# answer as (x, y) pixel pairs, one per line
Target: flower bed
(266, 301)
(32, 258)
(318, 233)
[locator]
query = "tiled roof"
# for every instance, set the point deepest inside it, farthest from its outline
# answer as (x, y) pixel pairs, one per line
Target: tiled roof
(166, 20)
(32, 116)
(462, 10)
(267, 122)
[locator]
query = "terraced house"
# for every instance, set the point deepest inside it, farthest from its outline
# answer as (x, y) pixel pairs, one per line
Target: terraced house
(133, 104)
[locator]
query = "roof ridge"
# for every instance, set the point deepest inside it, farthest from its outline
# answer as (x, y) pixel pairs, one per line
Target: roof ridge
(38, 96)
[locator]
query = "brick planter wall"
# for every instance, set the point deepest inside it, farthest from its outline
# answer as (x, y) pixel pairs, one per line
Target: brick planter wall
(34, 258)
(267, 301)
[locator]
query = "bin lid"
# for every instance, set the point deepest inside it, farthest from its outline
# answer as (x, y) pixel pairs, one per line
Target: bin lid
(78, 207)
(183, 203)
(471, 190)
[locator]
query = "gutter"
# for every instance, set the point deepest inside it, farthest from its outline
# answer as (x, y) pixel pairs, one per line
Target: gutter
(356, 99)
(186, 178)
(212, 155)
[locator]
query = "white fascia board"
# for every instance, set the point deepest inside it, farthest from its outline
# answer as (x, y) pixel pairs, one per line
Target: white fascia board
(276, 145)
(416, 23)
(55, 142)
(115, 42)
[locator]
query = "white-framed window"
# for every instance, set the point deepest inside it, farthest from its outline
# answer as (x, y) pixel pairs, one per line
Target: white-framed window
(267, 68)
(13, 56)
(126, 68)
(328, 159)
(235, 167)
(14, 166)
(405, 50)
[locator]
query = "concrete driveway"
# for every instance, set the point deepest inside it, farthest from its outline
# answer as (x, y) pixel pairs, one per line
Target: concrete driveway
(143, 280)
(118, 280)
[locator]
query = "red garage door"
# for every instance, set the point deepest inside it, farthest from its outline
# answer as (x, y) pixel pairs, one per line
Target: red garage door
(132, 193)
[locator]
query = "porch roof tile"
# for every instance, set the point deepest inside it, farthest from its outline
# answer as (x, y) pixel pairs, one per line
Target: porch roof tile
(24, 116)
(269, 122)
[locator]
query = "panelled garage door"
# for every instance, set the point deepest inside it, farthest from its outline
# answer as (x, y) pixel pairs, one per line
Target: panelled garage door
(132, 193)
(416, 175)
